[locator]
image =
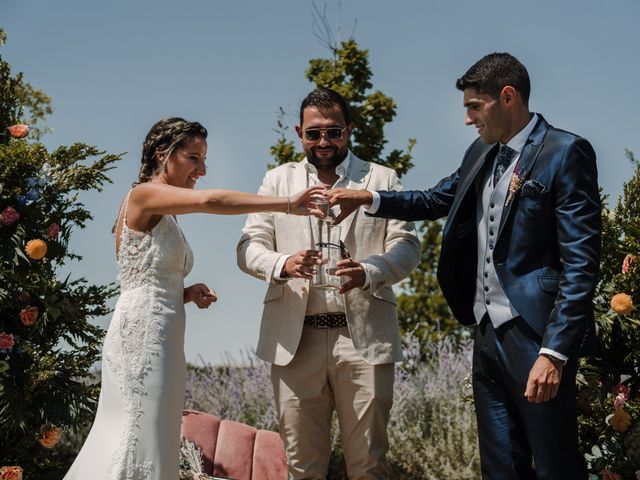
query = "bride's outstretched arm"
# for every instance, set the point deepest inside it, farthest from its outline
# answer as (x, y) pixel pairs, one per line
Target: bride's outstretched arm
(162, 199)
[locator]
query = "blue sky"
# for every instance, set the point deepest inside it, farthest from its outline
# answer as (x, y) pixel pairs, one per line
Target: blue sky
(114, 68)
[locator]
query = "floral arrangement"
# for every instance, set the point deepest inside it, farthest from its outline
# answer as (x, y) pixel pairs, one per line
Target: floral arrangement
(47, 344)
(609, 382)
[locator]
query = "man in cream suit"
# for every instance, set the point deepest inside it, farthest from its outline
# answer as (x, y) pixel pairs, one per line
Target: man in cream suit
(329, 349)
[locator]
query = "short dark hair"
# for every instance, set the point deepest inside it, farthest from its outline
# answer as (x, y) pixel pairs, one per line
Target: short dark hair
(325, 99)
(493, 72)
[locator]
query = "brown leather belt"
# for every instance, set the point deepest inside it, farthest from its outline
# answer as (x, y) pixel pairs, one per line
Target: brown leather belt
(326, 320)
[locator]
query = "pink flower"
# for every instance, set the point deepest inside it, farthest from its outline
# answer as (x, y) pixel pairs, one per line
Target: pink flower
(6, 341)
(12, 472)
(18, 131)
(607, 475)
(9, 216)
(619, 401)
(53, 231)
(626, 263)
(623, 390)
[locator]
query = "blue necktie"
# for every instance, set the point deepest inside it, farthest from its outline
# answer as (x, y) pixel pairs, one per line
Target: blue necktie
(503, 160)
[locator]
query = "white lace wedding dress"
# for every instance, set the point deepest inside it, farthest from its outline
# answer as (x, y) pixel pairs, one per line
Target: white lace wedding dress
(136, 432)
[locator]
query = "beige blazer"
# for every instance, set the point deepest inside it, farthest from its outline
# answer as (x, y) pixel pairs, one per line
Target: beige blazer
(388, 249)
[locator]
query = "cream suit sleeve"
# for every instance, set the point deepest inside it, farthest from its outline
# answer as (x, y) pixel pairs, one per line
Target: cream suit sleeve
(401, 250)
(256, 253)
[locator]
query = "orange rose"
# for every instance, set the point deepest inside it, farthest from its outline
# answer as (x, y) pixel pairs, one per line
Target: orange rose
(11, 473)
(622, 304)
(49, 435)
(28, 316)
(36, 249)
(19, 131)
(621, 420)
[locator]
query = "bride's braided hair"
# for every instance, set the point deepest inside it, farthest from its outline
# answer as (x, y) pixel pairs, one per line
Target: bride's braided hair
(165, 136)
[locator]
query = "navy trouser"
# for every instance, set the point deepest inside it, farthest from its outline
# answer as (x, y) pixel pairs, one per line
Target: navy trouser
(521, 440)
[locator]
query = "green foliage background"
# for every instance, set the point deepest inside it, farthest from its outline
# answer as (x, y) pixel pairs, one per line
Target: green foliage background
(44, 377)
(618, 361)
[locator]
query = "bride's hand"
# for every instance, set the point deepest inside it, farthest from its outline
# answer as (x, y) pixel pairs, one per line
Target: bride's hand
(306, 202)
(200, 294)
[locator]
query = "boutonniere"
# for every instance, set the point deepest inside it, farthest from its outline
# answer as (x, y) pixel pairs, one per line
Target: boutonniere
(515, 184)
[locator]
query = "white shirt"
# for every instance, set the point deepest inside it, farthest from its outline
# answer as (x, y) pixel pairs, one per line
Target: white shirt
(322, 300)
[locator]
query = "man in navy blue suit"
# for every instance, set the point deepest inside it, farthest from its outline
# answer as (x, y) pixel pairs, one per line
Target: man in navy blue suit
(519, 259)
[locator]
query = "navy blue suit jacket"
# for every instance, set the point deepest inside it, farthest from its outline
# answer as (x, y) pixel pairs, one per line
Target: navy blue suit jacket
(547, 251)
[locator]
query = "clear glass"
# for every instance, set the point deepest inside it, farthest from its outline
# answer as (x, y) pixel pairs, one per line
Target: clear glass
(329, 244)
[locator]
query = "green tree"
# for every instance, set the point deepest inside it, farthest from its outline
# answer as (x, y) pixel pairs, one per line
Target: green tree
(422, 309)
(347, 72)
(47, 344)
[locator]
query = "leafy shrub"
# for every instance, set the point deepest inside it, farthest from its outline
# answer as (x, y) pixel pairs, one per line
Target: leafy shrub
(609, 382)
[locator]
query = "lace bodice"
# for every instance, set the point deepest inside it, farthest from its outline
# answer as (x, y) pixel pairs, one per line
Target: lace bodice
(161, 254)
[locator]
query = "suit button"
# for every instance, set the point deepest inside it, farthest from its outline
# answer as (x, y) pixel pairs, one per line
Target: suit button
(493, 205)
(491, 218)
(488, 260)
(490, 247)
(486, 289)
(486, 275)
(488, 302)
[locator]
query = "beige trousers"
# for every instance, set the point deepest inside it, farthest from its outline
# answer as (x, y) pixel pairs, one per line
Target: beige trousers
(327, 374)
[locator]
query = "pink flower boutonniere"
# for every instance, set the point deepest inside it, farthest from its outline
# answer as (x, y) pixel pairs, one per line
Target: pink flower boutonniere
(514, 185)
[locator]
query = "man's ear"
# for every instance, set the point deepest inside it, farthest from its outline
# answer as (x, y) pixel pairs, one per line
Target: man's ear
(508, 94)
(299, 131)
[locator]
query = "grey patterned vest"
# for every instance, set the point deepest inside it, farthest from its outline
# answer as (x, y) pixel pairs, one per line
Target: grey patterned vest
(490, 297)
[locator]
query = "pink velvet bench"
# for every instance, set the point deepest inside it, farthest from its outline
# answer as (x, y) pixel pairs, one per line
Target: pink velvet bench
(235, 450)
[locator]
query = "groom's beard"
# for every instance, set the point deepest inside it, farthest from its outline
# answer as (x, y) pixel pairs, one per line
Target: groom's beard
(327, 162)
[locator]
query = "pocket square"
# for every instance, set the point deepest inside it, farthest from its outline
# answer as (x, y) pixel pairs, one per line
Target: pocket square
(532, 187)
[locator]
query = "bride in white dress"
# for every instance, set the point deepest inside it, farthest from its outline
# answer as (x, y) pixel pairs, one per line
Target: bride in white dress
(136, 432)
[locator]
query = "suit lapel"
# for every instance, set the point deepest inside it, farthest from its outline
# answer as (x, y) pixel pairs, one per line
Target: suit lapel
(298, 180)
(358, 176)
(524, 165)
